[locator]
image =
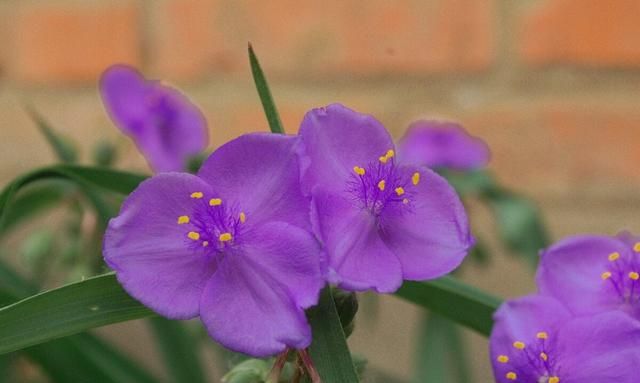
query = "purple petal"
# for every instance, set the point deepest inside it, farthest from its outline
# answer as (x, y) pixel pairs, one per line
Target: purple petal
(244, 309)
(431, 234)
(149, 250)
(571, 271)
(357, 258)
(164, 124)
(442, 144)
(336, 139)
(260, 172)
(600, 348)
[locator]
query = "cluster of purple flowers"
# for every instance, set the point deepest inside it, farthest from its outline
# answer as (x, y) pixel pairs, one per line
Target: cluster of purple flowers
(584, 323)
(247, 243)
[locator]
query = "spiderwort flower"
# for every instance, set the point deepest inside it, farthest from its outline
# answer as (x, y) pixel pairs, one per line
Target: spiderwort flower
(593, 273)
(232, 244)
(167, 128)
(380, 220)
(443, 144)
(536, 340)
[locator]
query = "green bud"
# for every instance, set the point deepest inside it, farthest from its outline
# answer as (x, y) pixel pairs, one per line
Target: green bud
(104, 153)
(249, 371)
(347, 306)
(37, 246)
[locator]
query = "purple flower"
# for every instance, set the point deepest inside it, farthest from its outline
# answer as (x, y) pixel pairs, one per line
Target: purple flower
(442, 144)
(167, 128)
(380, 220)
(536, 340)
(593, 273)
(232, 244)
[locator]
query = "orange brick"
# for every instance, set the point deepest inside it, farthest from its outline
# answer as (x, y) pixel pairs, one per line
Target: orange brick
(72, 42)
(587, 32)
(337, 36)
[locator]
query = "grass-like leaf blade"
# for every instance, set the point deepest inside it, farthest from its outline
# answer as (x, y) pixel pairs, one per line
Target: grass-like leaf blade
(275, 124)
(455, 300)
(329, 350)
(62, 148)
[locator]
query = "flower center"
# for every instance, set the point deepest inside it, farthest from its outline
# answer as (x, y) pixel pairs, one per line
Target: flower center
(531, 362)
(381, 183)
(622, 275)
(212, 224)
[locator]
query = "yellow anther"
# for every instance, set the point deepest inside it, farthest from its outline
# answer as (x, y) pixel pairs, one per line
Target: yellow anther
(399, 190)
(511, 375)
(193, 235)
(183, 219)
(554, 379)
(636, 247)
(358, 170)
(405, 201)
(225, 237)
(614, 256)
(519, 345)
(634, 276)
(502, 359)
(383, 159)
(205, 243)
(390, 153)
(197, 195)
(606, 275)
(382, 184)
(542, 335)
(215, 202)
(415, 178)
(243, 217)
(544, 356)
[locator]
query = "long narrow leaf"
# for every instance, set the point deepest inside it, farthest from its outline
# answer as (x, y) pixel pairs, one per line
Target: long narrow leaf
(66, 311)
(179, 350)
(62, 148)
(455, 300)
(329, 350)
(265, 94)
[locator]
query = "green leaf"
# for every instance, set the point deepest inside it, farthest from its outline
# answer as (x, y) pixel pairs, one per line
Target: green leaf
(455, 300)
(179, 350)
(106, 179)
(63, 149)
(67, 310)
(265, 94)
(329, 350)
(441, 355)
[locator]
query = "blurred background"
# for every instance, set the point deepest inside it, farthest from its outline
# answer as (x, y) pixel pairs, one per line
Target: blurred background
(553, 86)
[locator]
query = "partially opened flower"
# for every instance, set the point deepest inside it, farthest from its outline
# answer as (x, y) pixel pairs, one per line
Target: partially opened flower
(231, 244)
(593, 273)
(536, 340)
(380, 220)
(167, 128)
(441, 144)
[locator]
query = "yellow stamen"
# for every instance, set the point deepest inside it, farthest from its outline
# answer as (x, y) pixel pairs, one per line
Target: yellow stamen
(542, 335)
(544, 356)
(634, 276)
(383, 159)
(405, 201)
(382, 184)
(606, 275)
(193, 235)
(215, 202)
(415, 178)
(511, 376)
(205, 243)
(197, 195)
(183, 219)
(554, 379)
(225, 237)
(358, 170)
(614, 256)
(399, 190)
(519, 345)
(390, 153)
(243, 217)
(636, 247)
(502, 358)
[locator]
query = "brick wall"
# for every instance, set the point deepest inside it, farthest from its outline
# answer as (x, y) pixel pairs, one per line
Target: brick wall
(552, 85)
